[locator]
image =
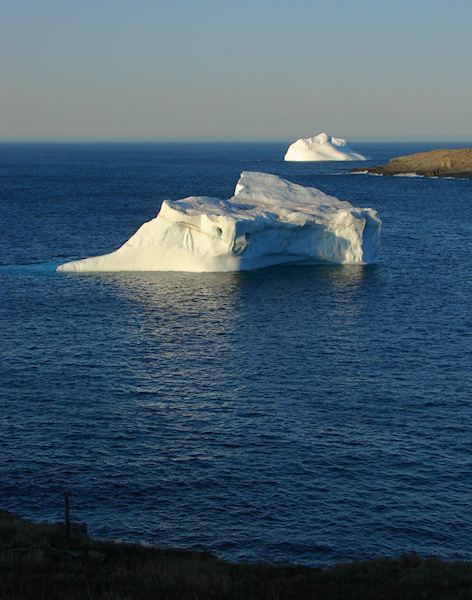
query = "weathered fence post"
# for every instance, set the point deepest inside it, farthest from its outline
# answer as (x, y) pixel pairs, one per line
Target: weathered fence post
(66, 499)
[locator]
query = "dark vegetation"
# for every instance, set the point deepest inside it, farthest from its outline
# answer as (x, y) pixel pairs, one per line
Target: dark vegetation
(51, 562)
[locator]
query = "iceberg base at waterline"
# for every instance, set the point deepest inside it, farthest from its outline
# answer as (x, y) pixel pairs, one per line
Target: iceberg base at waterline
(269, 221)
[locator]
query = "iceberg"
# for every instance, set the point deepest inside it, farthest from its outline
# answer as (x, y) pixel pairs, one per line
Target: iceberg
(269, 221)
(322, 147)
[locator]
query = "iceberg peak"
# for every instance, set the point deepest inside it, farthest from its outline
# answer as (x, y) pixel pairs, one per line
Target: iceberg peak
(269, 221)
(321, 147)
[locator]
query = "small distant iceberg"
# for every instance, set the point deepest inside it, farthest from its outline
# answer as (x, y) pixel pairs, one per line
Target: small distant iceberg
(322, 147)
(269, 221)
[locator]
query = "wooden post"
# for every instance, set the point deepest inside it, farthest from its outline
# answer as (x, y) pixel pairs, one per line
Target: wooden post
(66, 498)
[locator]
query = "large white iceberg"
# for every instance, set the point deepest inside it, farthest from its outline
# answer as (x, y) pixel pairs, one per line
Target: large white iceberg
(322, 147)
(269, 221)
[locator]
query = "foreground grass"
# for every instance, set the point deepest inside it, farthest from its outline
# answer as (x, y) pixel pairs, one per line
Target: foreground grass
(39, 562)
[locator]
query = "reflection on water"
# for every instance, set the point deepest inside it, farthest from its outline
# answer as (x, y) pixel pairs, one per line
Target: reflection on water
(156, 290)
(242, 334)
(207, 322)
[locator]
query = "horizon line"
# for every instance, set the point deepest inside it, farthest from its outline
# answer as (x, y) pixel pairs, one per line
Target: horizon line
(354, 139)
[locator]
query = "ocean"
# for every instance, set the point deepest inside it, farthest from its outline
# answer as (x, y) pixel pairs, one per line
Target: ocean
(302, 415)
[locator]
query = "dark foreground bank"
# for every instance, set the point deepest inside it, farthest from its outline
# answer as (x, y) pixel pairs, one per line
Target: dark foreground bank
(43, 562)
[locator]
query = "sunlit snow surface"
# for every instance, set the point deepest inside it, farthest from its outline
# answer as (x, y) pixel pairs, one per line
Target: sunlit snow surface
(322, 147)
(268, 221)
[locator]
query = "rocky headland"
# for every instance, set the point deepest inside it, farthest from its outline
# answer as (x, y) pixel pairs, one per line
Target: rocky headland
(437, 163)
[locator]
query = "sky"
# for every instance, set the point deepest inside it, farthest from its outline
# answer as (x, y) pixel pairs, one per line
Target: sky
(224, 70)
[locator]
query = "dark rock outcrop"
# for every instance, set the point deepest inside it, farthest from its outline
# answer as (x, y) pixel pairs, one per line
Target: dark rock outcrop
(437, 163)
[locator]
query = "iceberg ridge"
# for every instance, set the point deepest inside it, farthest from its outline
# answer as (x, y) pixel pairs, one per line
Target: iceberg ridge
(269, 221)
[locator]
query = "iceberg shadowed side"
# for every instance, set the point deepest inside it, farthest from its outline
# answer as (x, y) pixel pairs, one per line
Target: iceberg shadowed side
(269, 221)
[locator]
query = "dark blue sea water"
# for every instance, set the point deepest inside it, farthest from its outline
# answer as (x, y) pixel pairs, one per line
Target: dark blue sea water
(291, 415)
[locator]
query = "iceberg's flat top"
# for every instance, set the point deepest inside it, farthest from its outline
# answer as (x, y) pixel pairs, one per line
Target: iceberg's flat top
(268, 221)
(322, 147)
(263, 191)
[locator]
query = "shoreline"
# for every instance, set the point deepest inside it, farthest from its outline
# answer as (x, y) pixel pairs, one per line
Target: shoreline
(441, 162)
(53, 562)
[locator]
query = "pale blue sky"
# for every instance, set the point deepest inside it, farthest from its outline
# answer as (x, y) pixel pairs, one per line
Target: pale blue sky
(235, 70)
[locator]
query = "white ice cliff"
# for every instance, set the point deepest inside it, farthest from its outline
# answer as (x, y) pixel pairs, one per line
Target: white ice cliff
(322, 147)
(268, 221)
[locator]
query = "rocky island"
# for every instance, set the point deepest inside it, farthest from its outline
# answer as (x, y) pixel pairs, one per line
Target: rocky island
(437, 163)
